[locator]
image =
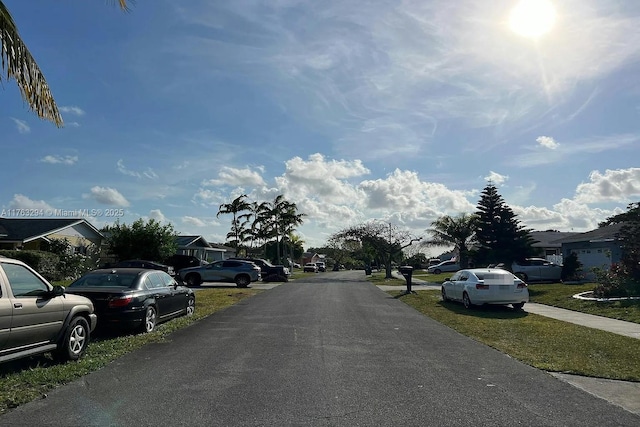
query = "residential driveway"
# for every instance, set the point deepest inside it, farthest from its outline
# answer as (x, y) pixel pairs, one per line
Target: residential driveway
(333, 350)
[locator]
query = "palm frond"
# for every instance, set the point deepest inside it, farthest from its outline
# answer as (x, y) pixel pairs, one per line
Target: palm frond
(21, 66)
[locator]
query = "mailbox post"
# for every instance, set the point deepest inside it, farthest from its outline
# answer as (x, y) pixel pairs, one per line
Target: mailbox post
(407, 272)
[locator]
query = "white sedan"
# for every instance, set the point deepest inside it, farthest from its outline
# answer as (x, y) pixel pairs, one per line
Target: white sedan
(443, 267)
(477, 286)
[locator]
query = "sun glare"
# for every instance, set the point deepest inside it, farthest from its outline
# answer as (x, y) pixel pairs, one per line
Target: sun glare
(532, 18)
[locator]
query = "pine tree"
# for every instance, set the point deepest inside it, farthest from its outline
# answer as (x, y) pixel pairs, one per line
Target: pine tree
(501, 237)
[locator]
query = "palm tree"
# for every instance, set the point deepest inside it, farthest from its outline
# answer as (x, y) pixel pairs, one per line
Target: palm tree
(18, 63)
(289, 220)
(277, 219)
(458, 232)
(237, 205)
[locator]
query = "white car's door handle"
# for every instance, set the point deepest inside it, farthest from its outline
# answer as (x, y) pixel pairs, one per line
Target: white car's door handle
(17, 305)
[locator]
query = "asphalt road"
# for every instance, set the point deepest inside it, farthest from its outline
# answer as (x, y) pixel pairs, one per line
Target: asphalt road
(333, 350)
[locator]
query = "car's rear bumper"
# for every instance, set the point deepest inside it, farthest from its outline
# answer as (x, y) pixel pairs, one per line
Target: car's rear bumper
(122, 319)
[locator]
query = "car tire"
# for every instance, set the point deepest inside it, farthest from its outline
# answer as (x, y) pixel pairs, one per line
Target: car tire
(75, 340)
(193, 279)
(518, 306)
(445, 298)
(242, 281)
(150, 320)
(466, 301)
(437, 271)
(191, 307)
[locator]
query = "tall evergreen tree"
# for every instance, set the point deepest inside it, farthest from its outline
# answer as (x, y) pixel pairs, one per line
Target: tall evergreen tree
(501, 237)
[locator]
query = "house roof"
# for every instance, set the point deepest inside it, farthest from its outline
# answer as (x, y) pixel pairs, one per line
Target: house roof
(549, 239)
(221, 246)
(183, 241)
(609, 232)
(27, 229)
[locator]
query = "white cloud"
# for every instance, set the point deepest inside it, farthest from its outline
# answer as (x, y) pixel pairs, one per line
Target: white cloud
(55, 159)
(574, 150)
(196, 222)
(206, 197)
(547, 142)
(21, 201)
(22, 126)
(149, 173)
(496, 178)
(319, 178)
(72, 110)
(107, 196)
(237, 177)
(620, 185)
(158, 216)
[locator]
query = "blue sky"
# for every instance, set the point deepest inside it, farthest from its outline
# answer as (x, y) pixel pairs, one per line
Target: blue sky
(395, 110)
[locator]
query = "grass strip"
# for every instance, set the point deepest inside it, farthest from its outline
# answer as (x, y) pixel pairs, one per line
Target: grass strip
(541, 342)
(561, 295)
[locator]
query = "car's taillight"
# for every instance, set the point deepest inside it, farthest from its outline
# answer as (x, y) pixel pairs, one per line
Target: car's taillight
(481, 286)
(120, 302)
(522, 285)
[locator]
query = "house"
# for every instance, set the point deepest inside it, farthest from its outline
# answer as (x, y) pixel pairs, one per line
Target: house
(198, 247)
(308, 257)
(599, 248)
(546, 242)
(33, 233)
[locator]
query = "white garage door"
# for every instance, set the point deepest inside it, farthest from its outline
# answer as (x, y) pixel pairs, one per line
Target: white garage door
(591, 258)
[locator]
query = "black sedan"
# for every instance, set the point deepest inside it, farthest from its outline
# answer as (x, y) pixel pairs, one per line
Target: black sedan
(134, 298)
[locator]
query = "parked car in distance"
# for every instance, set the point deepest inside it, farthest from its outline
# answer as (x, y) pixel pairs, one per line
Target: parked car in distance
(310, 267)
(141, 263)
(477, 286)
(134, 298)
(240, 272)
(178, 262)
(321, 266)
(36, 317)
(537, 270)
(444, 267)
(268, 271)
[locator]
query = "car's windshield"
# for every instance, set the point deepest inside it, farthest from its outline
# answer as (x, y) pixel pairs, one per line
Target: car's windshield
(121, 280)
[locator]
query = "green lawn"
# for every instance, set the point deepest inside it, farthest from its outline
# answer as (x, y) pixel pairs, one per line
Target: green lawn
(560, 295)
(24, 380)
(541, 342)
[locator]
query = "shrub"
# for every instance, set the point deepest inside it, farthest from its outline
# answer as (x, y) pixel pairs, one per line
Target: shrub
(616, 282)
(45, 263)
(572, 268)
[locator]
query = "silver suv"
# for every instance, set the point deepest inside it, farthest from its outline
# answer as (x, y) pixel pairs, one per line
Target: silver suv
(242, 273)
(537, 269)
(36, 317)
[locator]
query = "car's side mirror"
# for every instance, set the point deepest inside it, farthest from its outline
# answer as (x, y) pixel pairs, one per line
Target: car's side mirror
(448, 279)
(57, 291)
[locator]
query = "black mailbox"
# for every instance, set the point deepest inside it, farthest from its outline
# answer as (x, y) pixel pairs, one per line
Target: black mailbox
(407, 272)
